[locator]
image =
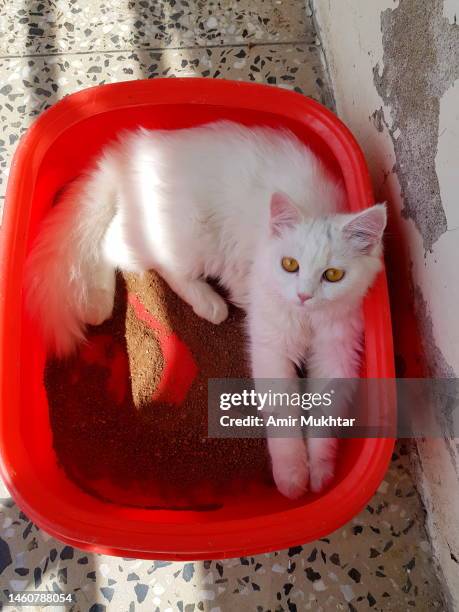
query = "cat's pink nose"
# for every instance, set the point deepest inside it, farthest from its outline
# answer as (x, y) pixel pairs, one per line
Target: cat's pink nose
(304, 297)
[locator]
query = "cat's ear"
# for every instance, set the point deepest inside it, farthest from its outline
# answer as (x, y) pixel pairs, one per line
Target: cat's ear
(284, 213)
(364, 231)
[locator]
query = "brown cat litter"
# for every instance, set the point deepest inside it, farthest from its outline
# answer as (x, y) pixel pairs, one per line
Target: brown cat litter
(129, 413)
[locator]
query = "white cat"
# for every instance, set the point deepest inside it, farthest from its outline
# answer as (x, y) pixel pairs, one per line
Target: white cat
(253, 207)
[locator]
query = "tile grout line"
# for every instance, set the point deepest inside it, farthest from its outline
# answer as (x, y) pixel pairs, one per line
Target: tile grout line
(249, 45)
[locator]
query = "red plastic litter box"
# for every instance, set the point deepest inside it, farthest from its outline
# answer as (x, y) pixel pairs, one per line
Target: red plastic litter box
(54, 151)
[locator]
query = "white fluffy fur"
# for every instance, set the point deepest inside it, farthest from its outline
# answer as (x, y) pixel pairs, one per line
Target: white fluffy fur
(212, 202)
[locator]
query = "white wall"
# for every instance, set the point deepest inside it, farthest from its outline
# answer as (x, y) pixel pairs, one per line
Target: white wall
(394, 69)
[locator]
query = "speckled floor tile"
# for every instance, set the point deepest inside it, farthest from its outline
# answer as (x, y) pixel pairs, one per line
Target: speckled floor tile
(57, 26)
(380, 561)
(29, 86)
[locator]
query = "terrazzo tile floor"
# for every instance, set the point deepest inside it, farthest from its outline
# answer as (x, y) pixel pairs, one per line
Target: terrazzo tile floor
(382, 560)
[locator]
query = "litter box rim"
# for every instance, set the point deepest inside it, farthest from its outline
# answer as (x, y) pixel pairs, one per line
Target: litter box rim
(189, 540)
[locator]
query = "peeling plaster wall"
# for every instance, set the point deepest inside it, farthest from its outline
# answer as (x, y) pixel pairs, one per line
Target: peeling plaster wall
(394, 67)
(420, 63)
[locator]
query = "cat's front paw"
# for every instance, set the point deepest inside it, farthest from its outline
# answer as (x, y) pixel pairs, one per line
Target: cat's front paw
(322, 459)
(290, 465)
(291, 477)
(322, 473)
(292, 484)
(213, 308)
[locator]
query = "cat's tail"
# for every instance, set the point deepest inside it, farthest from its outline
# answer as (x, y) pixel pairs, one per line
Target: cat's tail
(67, 281)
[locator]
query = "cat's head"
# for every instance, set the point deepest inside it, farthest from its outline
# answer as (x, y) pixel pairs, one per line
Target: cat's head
(314, 261)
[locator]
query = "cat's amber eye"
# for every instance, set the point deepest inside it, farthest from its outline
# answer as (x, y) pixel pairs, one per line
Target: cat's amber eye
(290, 264)
(333, 275)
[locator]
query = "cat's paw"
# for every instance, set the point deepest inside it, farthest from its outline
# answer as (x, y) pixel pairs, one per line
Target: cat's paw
(290, 466)
(100, 307)
(322, 460)
(212, 307)
(292, 483)
(322, 473)
(292, 477)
